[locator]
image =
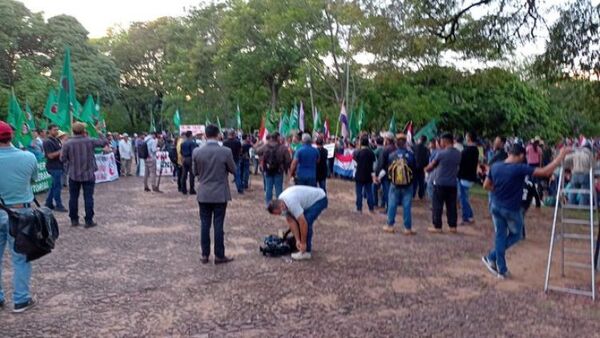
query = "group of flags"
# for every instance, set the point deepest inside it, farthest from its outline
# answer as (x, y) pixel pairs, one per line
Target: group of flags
(292, 122)
(61, 109)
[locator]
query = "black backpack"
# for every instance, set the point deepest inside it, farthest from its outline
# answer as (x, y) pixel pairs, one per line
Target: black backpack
(143, 150)
(275, 246)
(35, 231)
(272, 165)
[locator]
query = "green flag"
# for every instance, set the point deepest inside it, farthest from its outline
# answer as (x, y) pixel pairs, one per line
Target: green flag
(88, 116)
(293, 123)
(207, 121)
(284, 129)
(219, 123)
(318, 125)
(429, 130)
(238, 118)
(353, 126)
(361, 118)
(67, 100)
(43, 123)
(16, 119)
(270, 123)
(392, 127)
(177, 121)
(99, 118)
(28, 126)
(51, 112)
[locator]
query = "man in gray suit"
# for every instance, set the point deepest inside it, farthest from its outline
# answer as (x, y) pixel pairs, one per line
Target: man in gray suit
(211, 164)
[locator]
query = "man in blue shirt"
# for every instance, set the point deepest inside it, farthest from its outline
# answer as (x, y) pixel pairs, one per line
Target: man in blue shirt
(187, 148)
(304, 165)
(506, 181)
(19, 169)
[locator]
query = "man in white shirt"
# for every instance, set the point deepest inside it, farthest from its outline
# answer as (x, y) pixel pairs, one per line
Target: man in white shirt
(301, 205)
(126, 155)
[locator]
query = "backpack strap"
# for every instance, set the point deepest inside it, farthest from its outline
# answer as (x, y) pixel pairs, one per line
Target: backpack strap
(9, 211)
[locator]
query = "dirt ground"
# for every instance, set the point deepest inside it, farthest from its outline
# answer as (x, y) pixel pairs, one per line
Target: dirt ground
(138, 274)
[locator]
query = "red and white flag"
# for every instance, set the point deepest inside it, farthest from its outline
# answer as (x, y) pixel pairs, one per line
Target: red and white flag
(408, 130)
(262, 132)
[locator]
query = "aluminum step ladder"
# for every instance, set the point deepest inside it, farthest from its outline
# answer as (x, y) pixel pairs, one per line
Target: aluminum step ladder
(568, 230)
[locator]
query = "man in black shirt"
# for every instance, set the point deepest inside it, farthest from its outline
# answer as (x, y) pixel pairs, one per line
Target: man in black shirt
(467, 176)
(187, 148)
(364, 174)
(245, 160)
(322, 169)
(236, 149)
(52, 147)
(422, 160)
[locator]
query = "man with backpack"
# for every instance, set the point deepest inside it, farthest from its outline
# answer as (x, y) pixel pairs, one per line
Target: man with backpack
(147, 152)
(275, 162)
(401, 175)
(19, 169)
(445, 163)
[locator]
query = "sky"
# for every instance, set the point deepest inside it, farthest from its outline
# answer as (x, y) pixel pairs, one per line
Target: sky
(98, 16)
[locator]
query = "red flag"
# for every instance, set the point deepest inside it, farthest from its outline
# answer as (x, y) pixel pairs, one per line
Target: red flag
(262, 132)
(408, 130)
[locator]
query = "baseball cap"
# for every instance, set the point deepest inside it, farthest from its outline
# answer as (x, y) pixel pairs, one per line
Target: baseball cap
(401, 136)
(61, 134)
(5, 130)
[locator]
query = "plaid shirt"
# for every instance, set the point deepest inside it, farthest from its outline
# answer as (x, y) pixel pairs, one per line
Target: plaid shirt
(78, 154)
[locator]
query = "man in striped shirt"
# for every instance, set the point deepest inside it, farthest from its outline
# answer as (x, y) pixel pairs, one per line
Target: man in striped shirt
(78, 154)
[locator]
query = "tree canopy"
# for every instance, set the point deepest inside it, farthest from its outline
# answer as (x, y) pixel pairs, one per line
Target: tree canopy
(390, 57)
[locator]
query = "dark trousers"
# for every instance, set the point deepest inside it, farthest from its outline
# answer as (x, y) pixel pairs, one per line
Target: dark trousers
(419, 183)
(245, 172)
(444, 196)
(212, 214)
(88, 200)
(362, 189)
(177, 173)
(309, 181)
(187, 170)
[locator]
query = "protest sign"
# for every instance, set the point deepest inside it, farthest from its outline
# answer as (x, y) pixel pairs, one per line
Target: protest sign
(107, 168)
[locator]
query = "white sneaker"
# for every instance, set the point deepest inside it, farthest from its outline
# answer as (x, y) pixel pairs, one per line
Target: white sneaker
(300, 256)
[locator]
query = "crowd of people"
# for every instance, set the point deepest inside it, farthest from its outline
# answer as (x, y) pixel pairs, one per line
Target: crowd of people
(390, 170)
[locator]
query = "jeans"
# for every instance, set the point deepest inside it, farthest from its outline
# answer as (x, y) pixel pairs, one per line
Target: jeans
(385, 186)
(311, 215)
(255, 164)
(212, 214)
(509, 231)
(364, 188)
(88, 200)
(270, 182)
(21, 268)
(323, 184)
(245, 172)
(443, 195)
(580, 181)
(467, 211)
(187, 171)
(376, 190)
(238, 177)
(399, 195)
(309, 181)
(419, 183)
(54, 193)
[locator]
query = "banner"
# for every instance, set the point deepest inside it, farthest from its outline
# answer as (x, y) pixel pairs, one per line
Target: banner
(163, 163)
(43, 180)
(330, 149)
(194, 128)
(107, 168)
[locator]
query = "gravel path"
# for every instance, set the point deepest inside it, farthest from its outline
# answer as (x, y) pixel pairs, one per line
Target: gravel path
(138, 274)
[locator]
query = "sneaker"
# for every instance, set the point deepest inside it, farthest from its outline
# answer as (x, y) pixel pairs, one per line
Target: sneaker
(74, 223)
(453, 230)
(155, 189)
(300, 256)
(19, 308)
(408, 232)
(146, 189)
(434, 230)
(204, 259)
(503, 276)
(389, 229)
(491, 266)
(61, 209)
(193, 192)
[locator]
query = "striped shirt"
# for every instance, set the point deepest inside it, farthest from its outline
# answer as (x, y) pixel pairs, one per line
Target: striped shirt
(78, 155)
